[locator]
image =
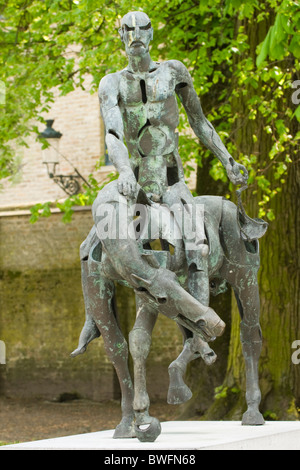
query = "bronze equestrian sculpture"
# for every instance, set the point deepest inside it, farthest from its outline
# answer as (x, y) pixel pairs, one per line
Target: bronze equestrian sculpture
(206, 241)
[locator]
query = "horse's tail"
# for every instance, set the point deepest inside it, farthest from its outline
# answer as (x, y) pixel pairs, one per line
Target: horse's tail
(88, 333)
(90, 330)
(115, 310)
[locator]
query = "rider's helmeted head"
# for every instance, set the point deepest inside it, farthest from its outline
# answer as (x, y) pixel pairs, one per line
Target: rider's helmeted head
(136, 32)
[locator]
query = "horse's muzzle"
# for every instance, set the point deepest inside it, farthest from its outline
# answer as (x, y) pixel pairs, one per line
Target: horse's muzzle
(207, 333)
(211, 323)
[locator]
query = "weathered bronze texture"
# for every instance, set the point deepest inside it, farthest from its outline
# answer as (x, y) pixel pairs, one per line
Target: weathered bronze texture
(205, 241)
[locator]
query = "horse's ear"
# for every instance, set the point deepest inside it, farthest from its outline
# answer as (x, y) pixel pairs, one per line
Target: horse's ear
(140, 279)
(150, 258)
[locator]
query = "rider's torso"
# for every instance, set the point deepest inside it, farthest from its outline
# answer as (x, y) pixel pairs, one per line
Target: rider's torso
(150, 116)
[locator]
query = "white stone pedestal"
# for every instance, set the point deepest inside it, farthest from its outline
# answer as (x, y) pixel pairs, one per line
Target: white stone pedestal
(183, 435)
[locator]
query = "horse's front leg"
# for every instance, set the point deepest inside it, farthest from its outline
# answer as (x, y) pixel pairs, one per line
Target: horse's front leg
(147, 429)
(247, 295)
(194, 347)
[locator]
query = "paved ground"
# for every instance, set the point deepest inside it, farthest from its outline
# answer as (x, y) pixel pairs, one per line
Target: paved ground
(179, 436)
(27, 420)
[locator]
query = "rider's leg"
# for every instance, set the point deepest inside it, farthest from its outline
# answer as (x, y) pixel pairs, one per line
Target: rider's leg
(197, 251)
(198, 285)
(189, 216)
(195, 346)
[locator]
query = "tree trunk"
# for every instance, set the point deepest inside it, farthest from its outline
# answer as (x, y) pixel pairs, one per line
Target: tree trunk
(280, 320)
(278, 278)
(279, 286)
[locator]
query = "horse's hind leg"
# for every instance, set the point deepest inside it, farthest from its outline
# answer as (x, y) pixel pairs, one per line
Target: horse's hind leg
(99, 292)
(147, 428)
(194, 347)
(247, 296)
(178, 391)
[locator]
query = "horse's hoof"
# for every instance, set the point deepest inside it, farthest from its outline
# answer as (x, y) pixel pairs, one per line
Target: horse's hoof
(209, 358)
(179, 395)
(252, 417)
(148, 432)
(125, 429)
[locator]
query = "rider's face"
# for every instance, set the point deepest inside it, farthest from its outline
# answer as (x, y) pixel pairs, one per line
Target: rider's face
(136, 33)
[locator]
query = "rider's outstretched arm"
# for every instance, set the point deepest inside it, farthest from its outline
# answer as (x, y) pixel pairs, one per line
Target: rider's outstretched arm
(114, 134)
(203, 129)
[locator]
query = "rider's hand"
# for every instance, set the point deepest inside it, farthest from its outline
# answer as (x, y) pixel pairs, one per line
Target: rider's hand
(127, 183)
(236, 172)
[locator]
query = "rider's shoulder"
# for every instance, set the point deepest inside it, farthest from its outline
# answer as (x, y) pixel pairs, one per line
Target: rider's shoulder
(175, 65)
(109, 82)
(178, 68)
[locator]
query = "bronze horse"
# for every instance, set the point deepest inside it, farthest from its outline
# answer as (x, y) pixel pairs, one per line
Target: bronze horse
(233, 259)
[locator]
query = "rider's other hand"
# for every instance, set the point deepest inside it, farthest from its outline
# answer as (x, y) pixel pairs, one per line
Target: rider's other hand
(236, 172)
(127, 183)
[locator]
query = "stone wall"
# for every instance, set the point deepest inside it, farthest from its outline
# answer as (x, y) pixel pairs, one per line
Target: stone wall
(42, 313)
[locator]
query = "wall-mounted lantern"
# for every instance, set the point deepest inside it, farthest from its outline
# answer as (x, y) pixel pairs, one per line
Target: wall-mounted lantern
(51, 156)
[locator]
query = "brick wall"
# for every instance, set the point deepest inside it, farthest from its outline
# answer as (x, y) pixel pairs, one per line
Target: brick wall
(77, 117)
(41, 303)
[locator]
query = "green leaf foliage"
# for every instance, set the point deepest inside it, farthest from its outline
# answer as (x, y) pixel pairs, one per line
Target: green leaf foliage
(54, 43)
